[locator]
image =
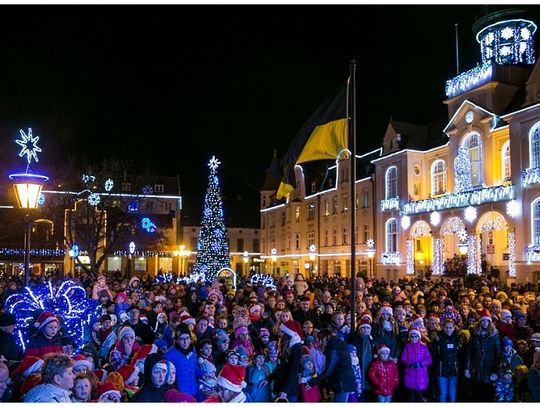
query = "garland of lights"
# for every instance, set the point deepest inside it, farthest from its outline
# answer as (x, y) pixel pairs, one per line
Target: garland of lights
(212, 243)
(390, 203)
(69, 301)
(533, 253)
(512, 255)
(492, 221)
(474, 265)
(462, 171)
(173, 278)
(143, 253)
(410, 256)
(530, 176)
(4, 251)
(468, 80)
(264, 279)
(461, 199)
(421, 228)
(438, 256)
(452, 225)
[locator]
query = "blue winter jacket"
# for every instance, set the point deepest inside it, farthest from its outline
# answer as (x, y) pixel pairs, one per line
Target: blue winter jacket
(187, 371)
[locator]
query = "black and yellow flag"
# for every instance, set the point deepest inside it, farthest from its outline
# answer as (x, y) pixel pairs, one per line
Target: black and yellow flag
(322, 137)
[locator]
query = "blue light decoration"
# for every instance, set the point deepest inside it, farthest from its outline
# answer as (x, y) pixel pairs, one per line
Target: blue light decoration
(69, 301)
(133, 206)
(212, 243)
(468, 80)
(147, 190)
(74, 252)
(41, 199)
(148, 225)
(29, 146)
(264, 279)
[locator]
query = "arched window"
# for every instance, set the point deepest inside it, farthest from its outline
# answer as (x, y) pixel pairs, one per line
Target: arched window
(391, 235)
(391, 181)
(534, 146)
(535, 221)
(474, 144)
(438, 177)
(506, 168)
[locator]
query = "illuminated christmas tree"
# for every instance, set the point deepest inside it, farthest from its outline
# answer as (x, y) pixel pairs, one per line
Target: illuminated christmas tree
(213, 242)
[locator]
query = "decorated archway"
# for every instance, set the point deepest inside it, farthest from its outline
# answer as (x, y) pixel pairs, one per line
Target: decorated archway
(454, 234)
(419, 247)
(494, 241)
(229, 274)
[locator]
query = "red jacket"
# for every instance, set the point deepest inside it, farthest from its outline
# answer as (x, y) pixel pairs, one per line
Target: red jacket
(39, 346)
(384, 376)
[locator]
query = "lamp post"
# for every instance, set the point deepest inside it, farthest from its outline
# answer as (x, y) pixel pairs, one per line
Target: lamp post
(370, 255)
(183, 253)
(27, 188)
(246, 260)
(273, 252)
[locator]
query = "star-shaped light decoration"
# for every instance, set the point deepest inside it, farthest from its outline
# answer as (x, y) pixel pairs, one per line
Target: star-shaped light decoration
(88, 178)
(462, 234)
(470, 214)
(370, 243)
(213, 163)
(29, 146)
(94, 199)
(147, 190)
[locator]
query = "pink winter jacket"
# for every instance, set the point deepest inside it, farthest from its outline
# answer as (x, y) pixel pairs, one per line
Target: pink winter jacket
(416, 358)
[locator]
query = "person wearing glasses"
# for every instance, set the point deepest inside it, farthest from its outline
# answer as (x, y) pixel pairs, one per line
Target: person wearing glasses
(184, 358)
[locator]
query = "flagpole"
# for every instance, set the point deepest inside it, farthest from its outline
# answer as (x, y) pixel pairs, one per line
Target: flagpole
(352, 166)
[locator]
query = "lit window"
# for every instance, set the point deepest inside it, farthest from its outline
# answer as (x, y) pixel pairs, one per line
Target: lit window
(506, 168)
(438, 177)
(391, 181)
(391, 235)
(534, 140)
(159, 188)
(474, 144)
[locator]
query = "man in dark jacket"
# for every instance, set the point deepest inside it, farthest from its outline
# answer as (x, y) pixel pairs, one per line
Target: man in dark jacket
(143, 332)
(338, 369)
(155, 374)
(8, 346)
(303, 313)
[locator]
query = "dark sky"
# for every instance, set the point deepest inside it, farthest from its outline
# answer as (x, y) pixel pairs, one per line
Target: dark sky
(170, 86)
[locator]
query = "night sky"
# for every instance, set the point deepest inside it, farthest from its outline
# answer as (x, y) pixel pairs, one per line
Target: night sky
(170, 86)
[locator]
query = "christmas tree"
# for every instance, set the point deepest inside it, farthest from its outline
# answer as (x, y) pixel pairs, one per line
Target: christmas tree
(213, 242)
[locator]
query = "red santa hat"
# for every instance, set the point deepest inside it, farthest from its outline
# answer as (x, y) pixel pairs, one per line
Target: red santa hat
(45, 318)
(106, 388)
(174, 396)
(145, 350)
(291, 328)
(29, 365)
(232, 377)
(386, 308)
(80, 360)
(128, 373)
(185, 318)
(484, 314)
(365, 319)
(382, 347)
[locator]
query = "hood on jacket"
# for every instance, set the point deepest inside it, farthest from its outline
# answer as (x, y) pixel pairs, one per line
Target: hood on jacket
(149, 364)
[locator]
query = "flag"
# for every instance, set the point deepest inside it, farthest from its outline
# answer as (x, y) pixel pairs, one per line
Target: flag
(322, 137)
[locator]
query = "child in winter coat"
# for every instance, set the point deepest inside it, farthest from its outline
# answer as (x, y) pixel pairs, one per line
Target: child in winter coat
(257, 380)
(416, 359)
(311, 394)
(355, 362)
(504, 387)
(384, 375)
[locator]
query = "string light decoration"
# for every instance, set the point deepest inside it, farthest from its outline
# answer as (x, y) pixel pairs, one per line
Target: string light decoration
(474, 265)
(512, 271)
(508, 42)
(109, 184)
(29, 147)
(389, 204)
(421, 228)
(148, 225)
(452, 225)
(213, 242)
(147, 190)
(410, 256)
(263, 279)
(462, 171)
(94, 199)
(172, 278)
(492, 221)
(530, 176)
(513, 208)
(458, 200)
(438, 256)
(69, 301)
(6, 251)
(468, 80)
(435, 218)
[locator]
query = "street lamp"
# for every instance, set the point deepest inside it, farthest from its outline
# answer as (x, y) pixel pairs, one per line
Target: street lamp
(183, 253)
(27, 188)
(370, 255)
(462, 247)
(273, 252)
(246, 259)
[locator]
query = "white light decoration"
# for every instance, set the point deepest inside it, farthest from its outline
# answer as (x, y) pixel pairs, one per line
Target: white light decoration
(468, 80)
(513, 208)
(29, 146)
(474, 265)
(438, 256)
(470, 214)
(462, 171)
(452, 225)
(131, 247)
(530, 176)
(410, 256)
(435, 218)
(420, 229)
(391, 258)
(214, 163)
(94, 199)
(461, 199)
(389, 204)
(147, 190)
(512, 255)
(533, 254)
(501, 42)
(405, 222)
(109, 184)
(370, 243)
(263, 279)
(88, 178)
(462, 234)
(491, 221)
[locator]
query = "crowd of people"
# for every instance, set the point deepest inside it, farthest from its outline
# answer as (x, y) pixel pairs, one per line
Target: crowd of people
(422, 339)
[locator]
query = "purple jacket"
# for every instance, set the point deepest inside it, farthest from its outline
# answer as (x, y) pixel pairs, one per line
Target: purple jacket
(416, 358)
